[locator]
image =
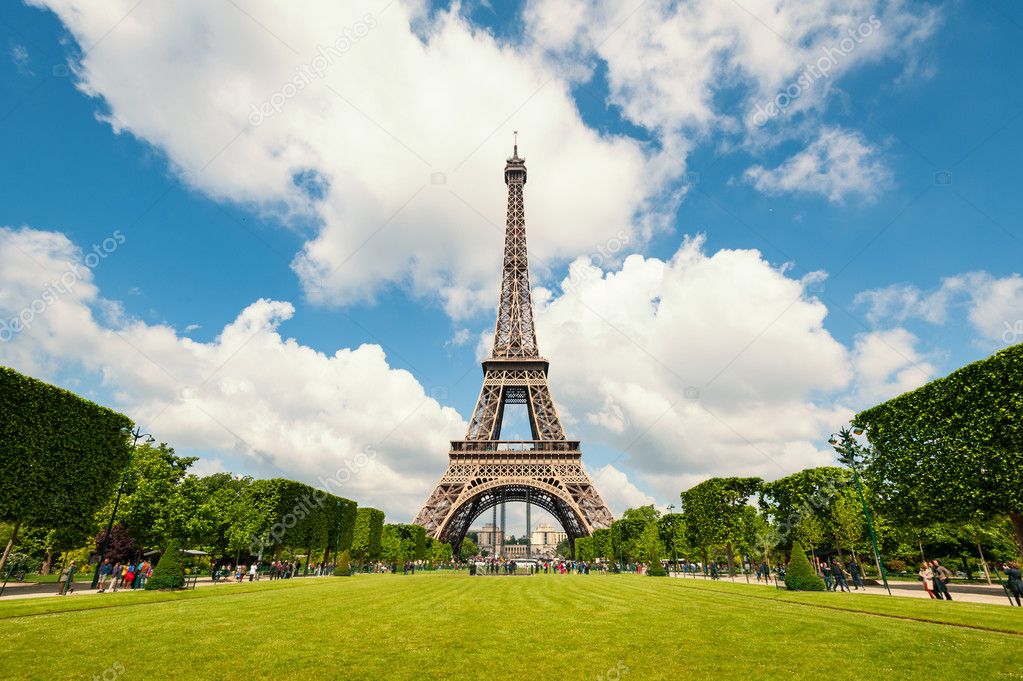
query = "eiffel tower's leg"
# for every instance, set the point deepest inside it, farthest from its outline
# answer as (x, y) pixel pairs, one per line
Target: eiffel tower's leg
(544, 417)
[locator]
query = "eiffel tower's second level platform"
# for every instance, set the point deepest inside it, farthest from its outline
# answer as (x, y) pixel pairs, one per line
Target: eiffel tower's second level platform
(515, 449)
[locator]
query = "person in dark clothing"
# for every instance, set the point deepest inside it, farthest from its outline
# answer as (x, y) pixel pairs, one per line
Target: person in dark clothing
(857, 575)
(838, 573)
(941, 577)
(825, 572)
(1015, 581)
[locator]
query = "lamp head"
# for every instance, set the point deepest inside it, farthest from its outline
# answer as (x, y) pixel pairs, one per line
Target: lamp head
(857, 431)
(832, 440)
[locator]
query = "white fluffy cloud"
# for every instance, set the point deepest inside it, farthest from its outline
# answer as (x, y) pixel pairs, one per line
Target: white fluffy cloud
(994, 306)
(887, 364)
(391, 143)
(676, 66)
(699, 365)
(837, 164)
(251, 393)
(617, 491)
(385, 126)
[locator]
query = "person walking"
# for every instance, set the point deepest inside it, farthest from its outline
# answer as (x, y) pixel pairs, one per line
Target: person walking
(106, 570)
(838, 573)
(927, 577)
(825, 571)
(1015, 581)
(857, 574)
(69, 576)
(941, 577)
(143, 575)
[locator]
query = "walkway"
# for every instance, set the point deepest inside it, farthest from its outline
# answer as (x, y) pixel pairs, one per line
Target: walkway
(971, 593)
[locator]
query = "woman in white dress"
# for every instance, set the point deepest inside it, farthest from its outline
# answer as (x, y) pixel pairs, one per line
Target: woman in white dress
(927, 576)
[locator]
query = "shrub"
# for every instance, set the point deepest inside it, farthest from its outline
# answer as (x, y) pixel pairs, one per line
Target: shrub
(896, 565)
(169, 573)
(343, 567)
(657, 570)
(800, 575)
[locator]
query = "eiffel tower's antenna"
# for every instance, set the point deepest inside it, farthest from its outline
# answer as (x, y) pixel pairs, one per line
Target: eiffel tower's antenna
(515, 152)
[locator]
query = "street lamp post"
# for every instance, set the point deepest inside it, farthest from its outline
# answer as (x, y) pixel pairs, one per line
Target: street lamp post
(844, 442)
(674, 555)
(136, 435)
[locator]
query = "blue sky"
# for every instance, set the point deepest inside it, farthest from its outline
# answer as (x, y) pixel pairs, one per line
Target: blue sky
(897, 174)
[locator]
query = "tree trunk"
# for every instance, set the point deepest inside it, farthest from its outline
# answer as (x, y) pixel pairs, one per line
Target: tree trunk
(731, 559)
(48, 563)
(922, 556)
(10, 545)
(966, 568)
(983, 563)
(1017, 526)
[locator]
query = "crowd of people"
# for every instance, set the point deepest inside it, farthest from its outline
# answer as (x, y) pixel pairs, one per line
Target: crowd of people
(131, 574)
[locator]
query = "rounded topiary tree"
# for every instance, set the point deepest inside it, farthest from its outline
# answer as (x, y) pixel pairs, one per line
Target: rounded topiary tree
(800, 575)
(343, 567)
(170, 571)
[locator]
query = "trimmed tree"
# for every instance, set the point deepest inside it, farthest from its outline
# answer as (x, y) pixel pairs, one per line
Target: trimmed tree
(169, 573)
(650, 548)
(60, 456)
(952, 449)
(713, 513)
(343, 567)
(800, 575)
(369, 526)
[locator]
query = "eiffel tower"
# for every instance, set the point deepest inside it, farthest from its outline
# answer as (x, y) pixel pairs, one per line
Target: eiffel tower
(484, 471)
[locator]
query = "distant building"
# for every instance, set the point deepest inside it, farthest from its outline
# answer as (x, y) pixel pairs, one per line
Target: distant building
(545, 539)
(487, 537)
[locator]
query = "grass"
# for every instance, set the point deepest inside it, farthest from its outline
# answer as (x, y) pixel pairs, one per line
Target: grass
(546, 626)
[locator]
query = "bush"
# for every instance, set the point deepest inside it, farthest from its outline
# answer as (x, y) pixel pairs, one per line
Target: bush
(657, 570)
(343, 567)
(800, 575)
(896, 565)
(169, 573)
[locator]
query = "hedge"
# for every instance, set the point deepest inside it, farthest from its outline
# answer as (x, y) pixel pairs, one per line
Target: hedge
(295, 515)
(953, 448)
(61, 456)
(369, 525)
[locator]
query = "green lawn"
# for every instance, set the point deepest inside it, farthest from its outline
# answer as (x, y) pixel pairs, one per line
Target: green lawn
(453, 626)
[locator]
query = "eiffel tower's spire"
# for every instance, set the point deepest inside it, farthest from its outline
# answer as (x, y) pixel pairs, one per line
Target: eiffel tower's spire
(515, 335)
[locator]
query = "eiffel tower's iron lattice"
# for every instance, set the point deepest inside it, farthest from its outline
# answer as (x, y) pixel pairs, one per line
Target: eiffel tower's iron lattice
(484, 470)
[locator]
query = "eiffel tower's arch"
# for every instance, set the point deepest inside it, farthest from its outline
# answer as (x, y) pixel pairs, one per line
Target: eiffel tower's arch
(485, 497)
(483, 469)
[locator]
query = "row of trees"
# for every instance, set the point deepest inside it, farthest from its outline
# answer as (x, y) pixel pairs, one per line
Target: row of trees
(224, 515)
(63, 459)
(725, 519)
(942, 475)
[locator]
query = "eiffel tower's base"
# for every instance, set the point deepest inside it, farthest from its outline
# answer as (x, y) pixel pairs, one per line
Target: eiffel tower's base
(483, 474)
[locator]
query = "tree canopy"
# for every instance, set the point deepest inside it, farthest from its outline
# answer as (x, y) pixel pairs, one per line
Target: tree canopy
(60, 455)
(954, 447)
